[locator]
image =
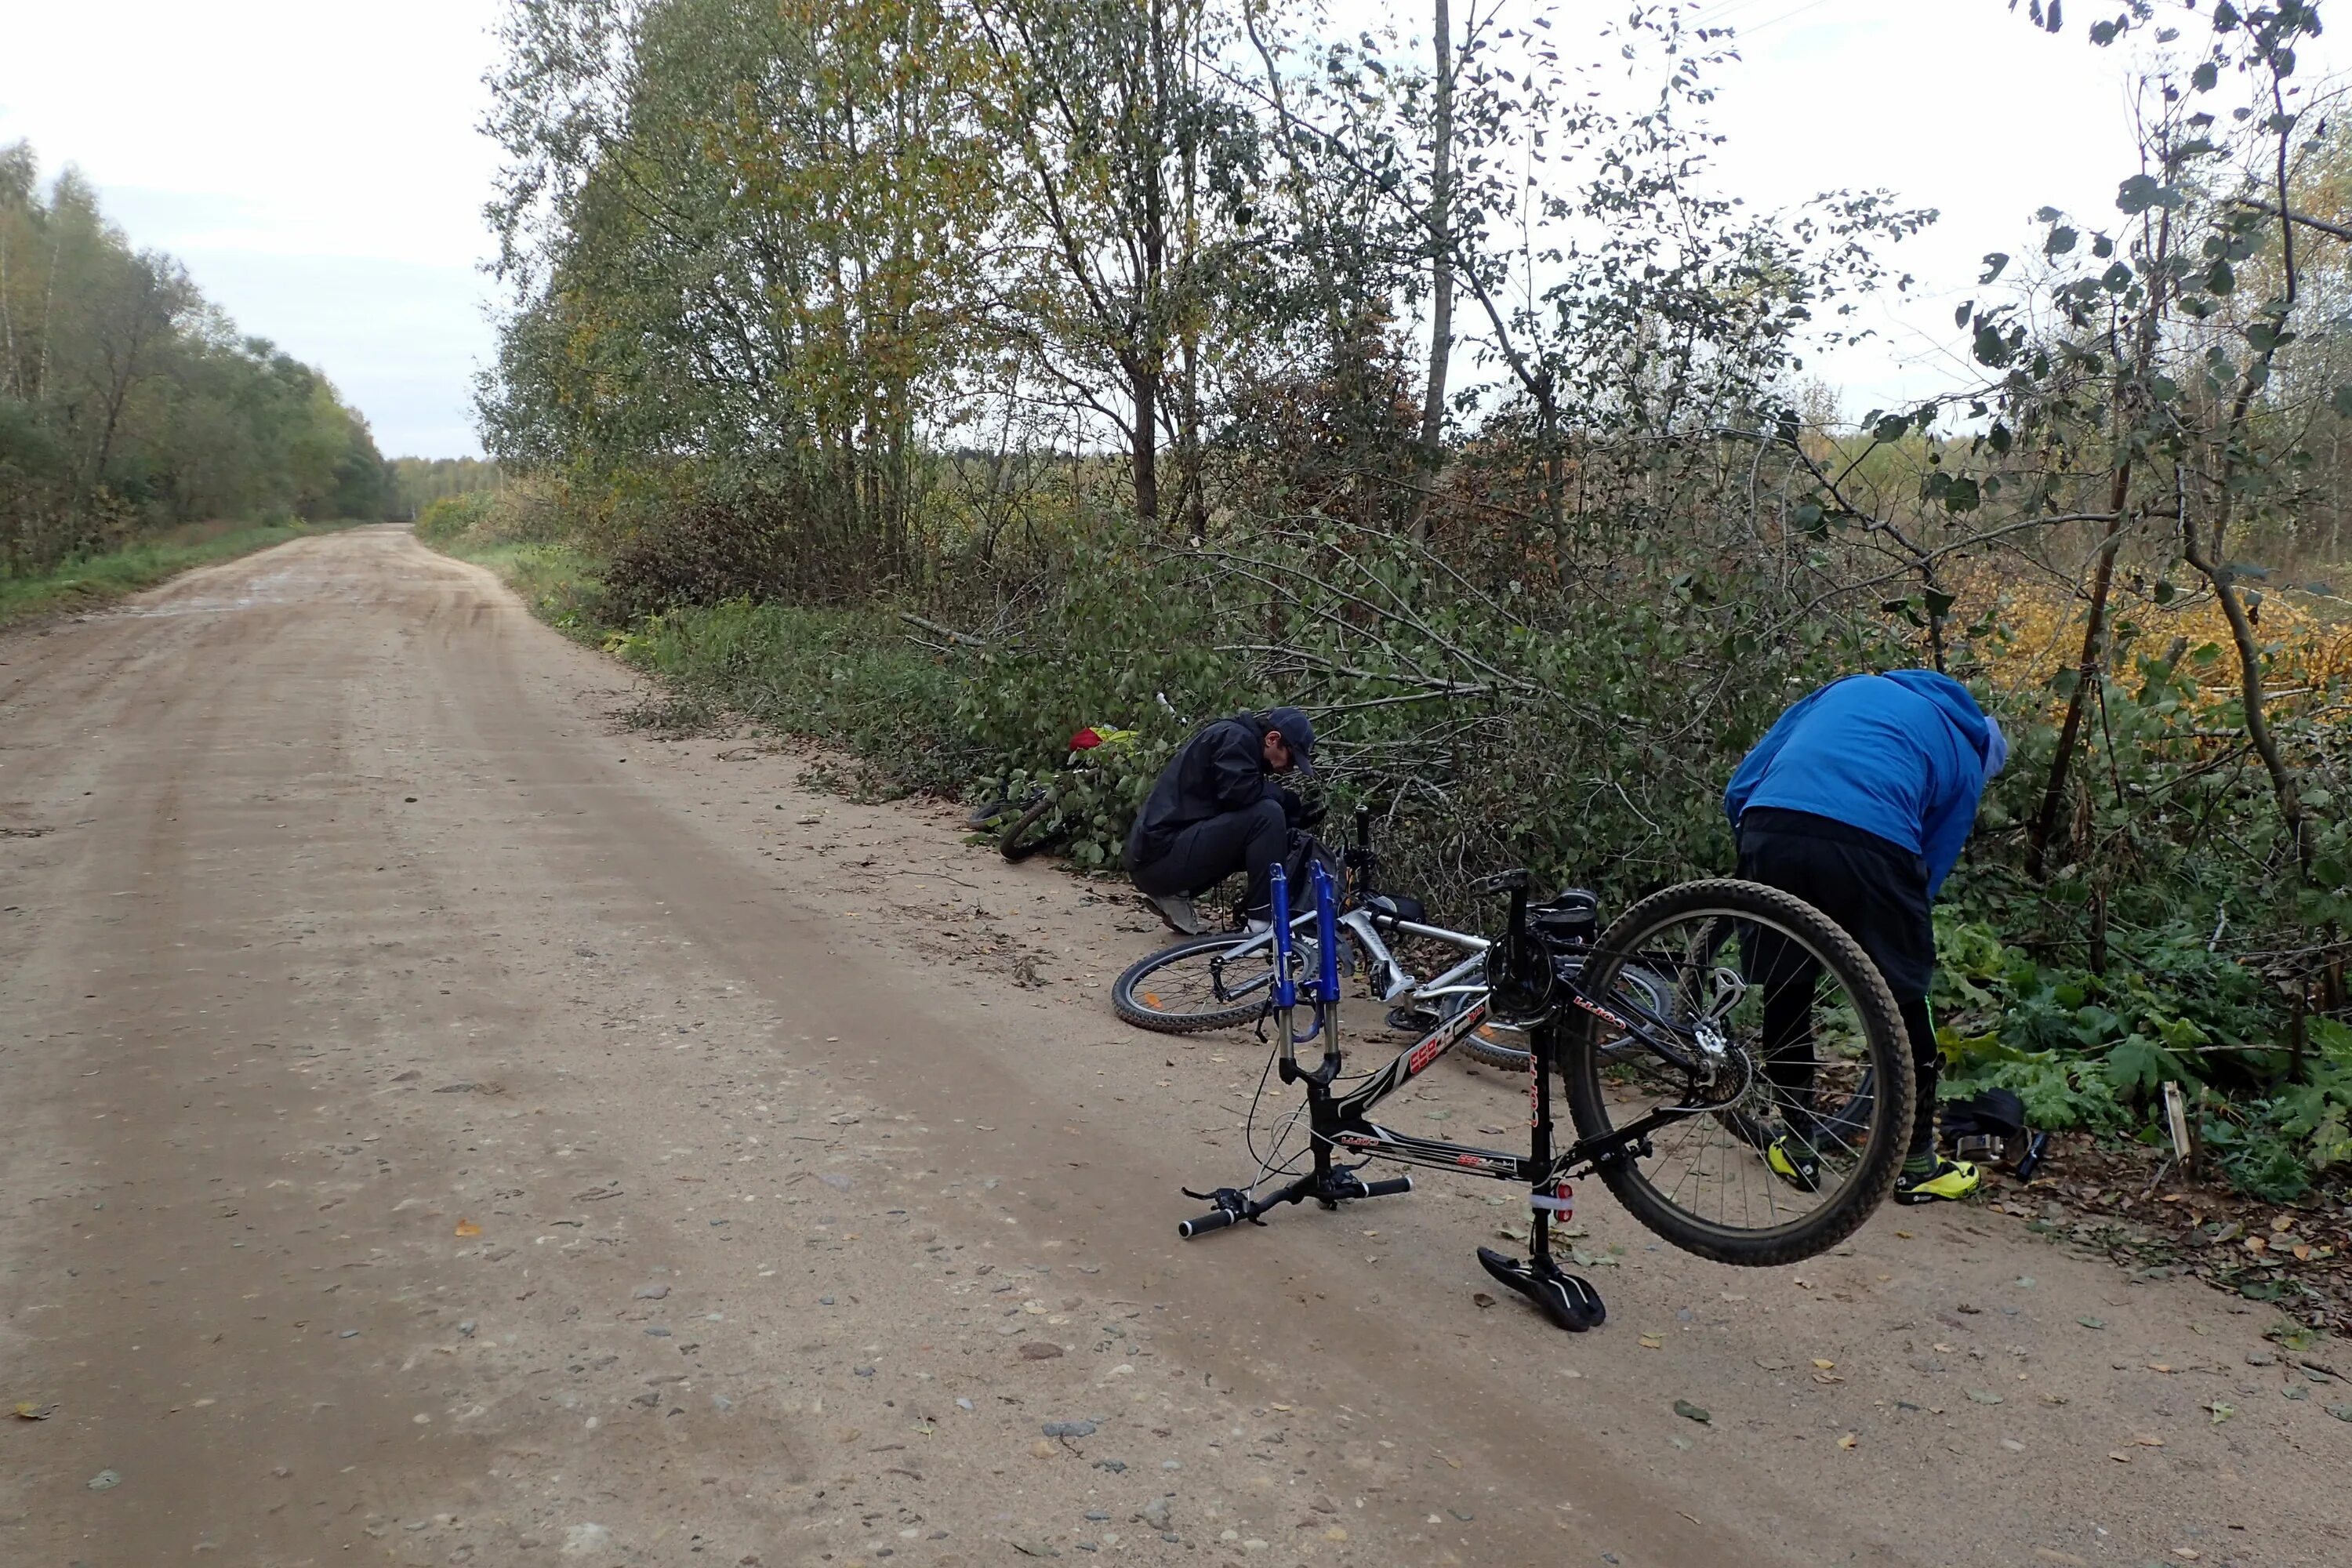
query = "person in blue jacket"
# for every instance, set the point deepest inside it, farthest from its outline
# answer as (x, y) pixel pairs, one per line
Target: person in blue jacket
(1858, 800)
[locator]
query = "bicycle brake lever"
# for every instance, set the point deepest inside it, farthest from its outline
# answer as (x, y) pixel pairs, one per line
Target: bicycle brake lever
(1230, 1200)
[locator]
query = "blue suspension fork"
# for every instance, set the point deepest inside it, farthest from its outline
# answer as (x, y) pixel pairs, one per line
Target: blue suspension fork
(1327, 1184)
(1322, 991)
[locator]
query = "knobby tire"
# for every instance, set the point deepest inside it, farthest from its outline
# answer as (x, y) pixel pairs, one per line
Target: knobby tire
(1031, 831)
(1131, 994)
(1887, 1048)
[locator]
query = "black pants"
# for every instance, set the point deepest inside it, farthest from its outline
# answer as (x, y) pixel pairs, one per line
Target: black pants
(1206, 852)
(1876, 892)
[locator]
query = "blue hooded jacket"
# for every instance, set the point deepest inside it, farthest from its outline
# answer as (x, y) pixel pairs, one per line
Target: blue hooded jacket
(1904, 755)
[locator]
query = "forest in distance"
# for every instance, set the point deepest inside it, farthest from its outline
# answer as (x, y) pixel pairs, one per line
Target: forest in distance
(130, 405)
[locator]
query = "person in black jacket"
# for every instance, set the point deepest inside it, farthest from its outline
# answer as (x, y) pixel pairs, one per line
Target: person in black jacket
(1216, 809)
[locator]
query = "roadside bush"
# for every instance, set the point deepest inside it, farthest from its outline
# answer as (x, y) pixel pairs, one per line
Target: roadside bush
(846, 676)
(453, 517)
(1480, 735)
(721, 535)
(2093, 1050)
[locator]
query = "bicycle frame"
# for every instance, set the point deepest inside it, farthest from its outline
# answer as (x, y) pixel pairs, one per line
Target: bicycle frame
(1362, 926)
(1341, 1121)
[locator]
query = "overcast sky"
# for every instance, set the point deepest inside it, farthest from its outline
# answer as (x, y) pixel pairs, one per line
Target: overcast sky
(317, 165)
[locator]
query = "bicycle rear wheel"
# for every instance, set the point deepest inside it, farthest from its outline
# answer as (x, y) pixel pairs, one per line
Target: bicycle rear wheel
(1781, 1140)
(1185, 989)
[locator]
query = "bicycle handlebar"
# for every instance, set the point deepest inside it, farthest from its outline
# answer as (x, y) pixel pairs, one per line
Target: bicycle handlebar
(1327, 1187)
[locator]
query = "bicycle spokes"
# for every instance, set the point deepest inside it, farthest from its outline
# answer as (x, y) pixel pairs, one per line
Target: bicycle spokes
(1741, 1058)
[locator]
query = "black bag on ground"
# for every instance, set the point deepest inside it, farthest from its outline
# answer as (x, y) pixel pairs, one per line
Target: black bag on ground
(1989, 1125)
(1304, 851)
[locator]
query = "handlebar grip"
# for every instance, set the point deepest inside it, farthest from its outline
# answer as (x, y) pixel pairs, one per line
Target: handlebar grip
(1216, 1219)
(1389, 1188)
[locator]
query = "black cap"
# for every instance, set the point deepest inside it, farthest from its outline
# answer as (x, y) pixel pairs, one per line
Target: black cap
(1298, 732)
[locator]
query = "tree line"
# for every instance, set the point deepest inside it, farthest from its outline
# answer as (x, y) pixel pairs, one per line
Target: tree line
(130, 403)
(419, 482)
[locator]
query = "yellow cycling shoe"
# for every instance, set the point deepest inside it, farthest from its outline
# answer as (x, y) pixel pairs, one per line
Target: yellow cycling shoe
(1951, 1181)
(1794, 1161)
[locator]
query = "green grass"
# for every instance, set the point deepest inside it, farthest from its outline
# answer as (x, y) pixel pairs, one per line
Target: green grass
(103, 579)
(849, 679)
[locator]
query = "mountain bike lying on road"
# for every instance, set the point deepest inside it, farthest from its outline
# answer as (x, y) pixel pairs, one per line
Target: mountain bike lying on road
(1709, 1016)
(1221, 980)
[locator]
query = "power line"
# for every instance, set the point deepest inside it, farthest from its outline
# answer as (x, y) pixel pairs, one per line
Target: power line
(1776, 21)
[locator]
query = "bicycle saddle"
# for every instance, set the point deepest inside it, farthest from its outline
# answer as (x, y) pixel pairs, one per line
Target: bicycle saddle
(1397, 906)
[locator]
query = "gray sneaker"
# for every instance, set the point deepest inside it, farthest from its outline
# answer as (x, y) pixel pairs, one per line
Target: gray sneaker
(1178, 911)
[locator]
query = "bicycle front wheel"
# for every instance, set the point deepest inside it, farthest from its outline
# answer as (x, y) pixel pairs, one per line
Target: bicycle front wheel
(1783, 1123)
(1212, 981)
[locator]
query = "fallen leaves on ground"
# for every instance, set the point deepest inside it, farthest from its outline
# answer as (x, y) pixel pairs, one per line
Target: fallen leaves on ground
(2125, 1202)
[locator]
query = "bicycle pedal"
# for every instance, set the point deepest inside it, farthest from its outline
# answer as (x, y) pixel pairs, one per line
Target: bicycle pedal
(1570, 1302)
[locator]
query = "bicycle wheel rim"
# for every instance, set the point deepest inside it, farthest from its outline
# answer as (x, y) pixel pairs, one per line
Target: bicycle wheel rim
(1709, 1181)
(1177, 990)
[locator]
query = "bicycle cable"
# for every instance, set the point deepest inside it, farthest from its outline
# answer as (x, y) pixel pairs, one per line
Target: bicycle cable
(1279, 1130)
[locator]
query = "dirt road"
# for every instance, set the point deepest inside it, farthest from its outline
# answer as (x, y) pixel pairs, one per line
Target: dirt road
(439, 1124)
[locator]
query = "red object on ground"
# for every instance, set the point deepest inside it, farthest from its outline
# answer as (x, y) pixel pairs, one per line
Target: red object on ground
(1085, 740)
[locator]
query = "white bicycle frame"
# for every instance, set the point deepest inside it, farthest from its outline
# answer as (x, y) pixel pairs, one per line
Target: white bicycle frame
(1392, 979)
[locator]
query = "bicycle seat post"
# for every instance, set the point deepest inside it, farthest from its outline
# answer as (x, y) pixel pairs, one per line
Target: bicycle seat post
(1361, 859)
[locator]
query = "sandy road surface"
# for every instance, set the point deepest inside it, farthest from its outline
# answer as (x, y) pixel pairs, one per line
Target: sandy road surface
(617, 1155)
